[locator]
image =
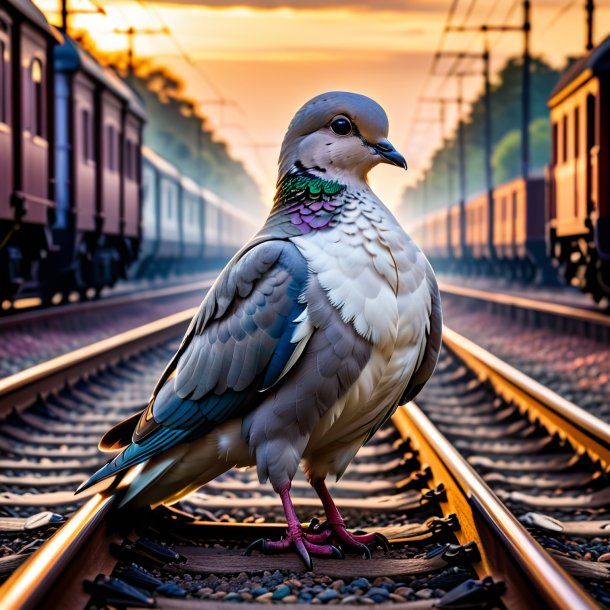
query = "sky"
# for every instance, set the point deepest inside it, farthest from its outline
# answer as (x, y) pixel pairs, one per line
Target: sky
(265, 58)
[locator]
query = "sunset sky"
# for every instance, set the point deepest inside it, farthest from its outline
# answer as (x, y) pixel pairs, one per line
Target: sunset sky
(270, 56)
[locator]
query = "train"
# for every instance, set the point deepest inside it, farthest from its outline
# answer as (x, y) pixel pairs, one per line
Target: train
(83, 203)
(545, 227)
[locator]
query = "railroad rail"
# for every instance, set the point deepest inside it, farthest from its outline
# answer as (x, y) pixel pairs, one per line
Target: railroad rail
(135, 295)
(587, 321)
(411, 483)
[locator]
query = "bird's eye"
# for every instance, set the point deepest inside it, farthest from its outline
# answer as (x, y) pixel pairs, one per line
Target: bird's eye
(341, 125)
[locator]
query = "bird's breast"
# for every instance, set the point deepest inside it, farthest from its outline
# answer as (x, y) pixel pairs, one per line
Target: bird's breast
(354, 264)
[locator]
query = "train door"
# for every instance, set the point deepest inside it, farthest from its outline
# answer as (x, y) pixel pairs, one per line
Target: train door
(35, 114)
(6, 136)
(592, 152)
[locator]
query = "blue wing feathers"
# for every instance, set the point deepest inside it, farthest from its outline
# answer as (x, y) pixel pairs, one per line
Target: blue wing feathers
(239, 345)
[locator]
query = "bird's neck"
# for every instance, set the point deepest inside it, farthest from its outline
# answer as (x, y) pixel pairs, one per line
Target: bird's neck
(305, 185)
(307, 198)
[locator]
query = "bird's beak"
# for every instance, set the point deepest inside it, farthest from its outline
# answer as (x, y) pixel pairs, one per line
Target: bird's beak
(389, 153)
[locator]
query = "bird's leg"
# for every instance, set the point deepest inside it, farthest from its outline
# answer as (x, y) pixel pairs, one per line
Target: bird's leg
(354, 542)
(295, 538)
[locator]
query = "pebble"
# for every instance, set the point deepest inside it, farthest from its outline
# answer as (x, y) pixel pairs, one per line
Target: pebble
(604, 557)
(327, 595)
(290, 599)
(360, 583)
(265, 598)
(281, 592)
(424, 593)
(232, 597)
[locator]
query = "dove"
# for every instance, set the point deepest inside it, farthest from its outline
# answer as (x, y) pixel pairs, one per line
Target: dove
(315, 332)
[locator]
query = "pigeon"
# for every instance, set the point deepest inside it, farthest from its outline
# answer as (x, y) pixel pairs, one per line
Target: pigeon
(314, 333)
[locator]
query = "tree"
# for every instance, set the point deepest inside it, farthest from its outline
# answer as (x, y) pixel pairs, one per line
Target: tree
(506, 121)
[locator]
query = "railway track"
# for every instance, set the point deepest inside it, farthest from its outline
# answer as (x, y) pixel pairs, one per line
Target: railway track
(536, 312)
(426, 483)
(33, 337)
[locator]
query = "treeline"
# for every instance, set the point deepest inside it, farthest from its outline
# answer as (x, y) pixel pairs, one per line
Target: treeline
(178, 131)
(440, 184)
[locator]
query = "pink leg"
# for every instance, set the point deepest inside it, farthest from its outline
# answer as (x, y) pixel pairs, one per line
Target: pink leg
(338, 531)
(295, 537)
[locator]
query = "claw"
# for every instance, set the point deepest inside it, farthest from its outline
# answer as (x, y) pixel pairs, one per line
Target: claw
(337, 552)
(366, 552)
(383, 542)
(299, 545)
(257, 545)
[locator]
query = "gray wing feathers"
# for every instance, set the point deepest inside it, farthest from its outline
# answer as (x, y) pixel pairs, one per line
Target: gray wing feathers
(333, 360)
(231, 335)
(433, 344)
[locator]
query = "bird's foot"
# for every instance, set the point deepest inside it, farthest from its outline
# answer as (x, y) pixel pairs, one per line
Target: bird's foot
(335, 531)
(298, 541)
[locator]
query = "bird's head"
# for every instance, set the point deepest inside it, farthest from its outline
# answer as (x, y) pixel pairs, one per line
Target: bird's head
(340, 134)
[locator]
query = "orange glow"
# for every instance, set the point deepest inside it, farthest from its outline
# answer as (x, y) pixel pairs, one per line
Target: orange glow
(270, 61)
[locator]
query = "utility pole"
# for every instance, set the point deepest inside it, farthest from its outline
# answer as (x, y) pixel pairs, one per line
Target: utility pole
(589, 9)
(525, 92)
(64, 16)
(442, 104)
(131, 33)
(525, 79)
(66, 12)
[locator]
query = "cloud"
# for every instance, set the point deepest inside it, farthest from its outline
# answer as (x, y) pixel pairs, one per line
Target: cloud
(364, 5)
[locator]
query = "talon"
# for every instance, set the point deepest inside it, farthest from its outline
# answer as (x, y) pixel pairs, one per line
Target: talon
(313, 524)
(257, 545)
(299, 545)
(383, 542)
(366, 552)
(337, 552)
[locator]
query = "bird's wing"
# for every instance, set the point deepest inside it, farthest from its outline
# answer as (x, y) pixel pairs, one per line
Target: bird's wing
(429, 354)
(241, 342)
(434, 333)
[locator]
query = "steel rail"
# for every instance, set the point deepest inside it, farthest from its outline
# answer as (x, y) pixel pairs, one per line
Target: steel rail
(587, 433)
(24, 589)
(547, 580)
(132, 296)
(20, 389)
(554, 310)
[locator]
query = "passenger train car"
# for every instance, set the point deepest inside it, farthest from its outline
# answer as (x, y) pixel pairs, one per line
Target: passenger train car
(81, 203)
(561, 218)
(183, 223)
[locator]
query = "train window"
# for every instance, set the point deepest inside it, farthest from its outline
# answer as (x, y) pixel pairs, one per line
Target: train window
(37, 101)
(128, 160)
(564, 138)
(591, 130)
(87, 135)
(554, 144)
(576, 132)
(110, 144)
(170, 201)
(3, 116)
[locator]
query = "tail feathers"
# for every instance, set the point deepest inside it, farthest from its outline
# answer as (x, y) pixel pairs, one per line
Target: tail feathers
(152, 472)
(119, 436)
(103, 473)
(138, 453)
